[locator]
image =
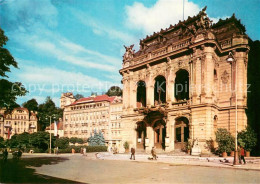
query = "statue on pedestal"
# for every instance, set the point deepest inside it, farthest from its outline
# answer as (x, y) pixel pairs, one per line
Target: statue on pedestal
(196, 149)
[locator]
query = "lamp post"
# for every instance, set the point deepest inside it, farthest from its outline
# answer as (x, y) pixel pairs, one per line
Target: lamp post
(231, 59)
(50, 131)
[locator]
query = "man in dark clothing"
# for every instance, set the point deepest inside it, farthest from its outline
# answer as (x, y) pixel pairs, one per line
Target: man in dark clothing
(242, 154)
(132, 153)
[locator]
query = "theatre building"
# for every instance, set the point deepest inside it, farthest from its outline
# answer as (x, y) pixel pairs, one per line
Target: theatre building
(179, 85)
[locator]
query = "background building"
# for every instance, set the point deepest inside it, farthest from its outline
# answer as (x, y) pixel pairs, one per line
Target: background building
(17, 121)
(179, 84)
(115, 138)
(85, 115)
(56, 128)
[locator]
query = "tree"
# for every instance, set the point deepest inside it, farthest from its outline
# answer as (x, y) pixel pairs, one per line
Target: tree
(248, 138)
(114, 91)
(62, 142)
(31, 105)
(73, 140)
(1, 142)
(97, 139)
(8, 90)
(46, 110)
(78, 96)
(226, 142)
(41, 140)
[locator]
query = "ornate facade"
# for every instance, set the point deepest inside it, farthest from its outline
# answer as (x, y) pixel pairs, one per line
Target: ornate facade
(180, 86)
(17, 121)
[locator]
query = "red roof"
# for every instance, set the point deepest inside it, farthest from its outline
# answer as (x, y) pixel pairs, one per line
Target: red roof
(99, 98)
(60, 126)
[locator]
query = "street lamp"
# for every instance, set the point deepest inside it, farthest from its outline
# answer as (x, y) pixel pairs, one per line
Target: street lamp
(230, 59)
(50, 129)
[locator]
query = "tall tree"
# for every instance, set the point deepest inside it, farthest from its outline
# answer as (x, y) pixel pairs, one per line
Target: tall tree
(78, 96)
(46, 110)
(8, 90)
(114, 91)
(31, 105)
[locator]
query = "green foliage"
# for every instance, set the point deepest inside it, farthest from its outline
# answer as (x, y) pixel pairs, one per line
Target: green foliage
(97, 140)
(78, 96)
(73, 140)
(189, 144)
(248, 137)
(31, 105)
(41, 140)
(8, 90)
(88, 149)
(62, 142)
(226, 142)
(2, 142)
(46, 110)
(114, 91)
(126, 145)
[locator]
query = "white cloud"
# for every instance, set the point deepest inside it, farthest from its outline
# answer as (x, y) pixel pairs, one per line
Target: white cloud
(54, 45)
(100, 28)
(160, 15)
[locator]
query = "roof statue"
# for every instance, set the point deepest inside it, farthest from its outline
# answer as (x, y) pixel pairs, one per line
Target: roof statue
(129, 52)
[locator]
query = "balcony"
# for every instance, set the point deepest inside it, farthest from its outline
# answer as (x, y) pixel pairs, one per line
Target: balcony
(7, 125)
(32, 127)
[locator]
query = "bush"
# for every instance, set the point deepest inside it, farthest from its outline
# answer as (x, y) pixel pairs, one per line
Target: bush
(126, 145)
(226, 142)
(248, 138)
(62, 142)
(88, 149)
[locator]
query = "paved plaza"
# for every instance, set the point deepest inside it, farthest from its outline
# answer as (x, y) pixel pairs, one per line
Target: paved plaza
(76, 168)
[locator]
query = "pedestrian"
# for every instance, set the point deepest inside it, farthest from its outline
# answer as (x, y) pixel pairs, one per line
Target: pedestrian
(243, 154)
(81, 150)
(84, 151)
(72, 150)
(153, 151)
(239, 153)
(132, 154)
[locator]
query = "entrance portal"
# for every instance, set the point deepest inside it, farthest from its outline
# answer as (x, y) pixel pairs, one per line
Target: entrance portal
(181, 132)
(159, 134)
(141, 134)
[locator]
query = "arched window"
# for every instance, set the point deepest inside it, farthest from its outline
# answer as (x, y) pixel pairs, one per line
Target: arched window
(181, 85)
(160, 90)
(141, 94)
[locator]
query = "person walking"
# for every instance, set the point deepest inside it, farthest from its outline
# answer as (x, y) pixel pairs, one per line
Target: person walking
(154, 153)
(243, 154)
(239, 154)
(132, 154)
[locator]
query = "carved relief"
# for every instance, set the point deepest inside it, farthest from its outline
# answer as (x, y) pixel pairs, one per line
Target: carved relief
(129, 52)
(225, 77)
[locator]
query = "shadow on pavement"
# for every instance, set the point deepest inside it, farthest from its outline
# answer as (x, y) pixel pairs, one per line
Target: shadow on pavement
(16, 172)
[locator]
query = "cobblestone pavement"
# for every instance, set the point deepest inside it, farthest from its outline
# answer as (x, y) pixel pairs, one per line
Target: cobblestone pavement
(108, 168)
(253, 163)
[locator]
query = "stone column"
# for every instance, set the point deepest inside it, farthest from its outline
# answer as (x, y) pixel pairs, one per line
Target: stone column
(150, 136)
(126, 92)
(170, 135)
(150, 92)
(208, 73)
(133, 91)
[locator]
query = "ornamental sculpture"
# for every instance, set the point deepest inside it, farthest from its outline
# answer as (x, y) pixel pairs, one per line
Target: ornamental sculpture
(129, 52)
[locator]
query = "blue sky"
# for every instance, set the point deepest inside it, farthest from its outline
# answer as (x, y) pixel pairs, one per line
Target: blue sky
(77, 45)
